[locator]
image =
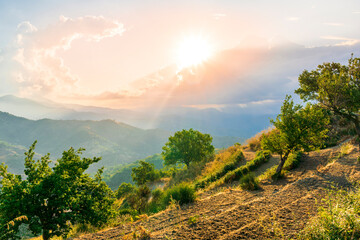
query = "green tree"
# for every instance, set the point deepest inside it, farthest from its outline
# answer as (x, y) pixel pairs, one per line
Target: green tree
(124, 189)
(336, 87)
(296, 128)
(187, 146)
(49, 199)
(144, 173)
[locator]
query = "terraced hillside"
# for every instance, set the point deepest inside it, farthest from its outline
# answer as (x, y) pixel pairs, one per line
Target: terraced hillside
(276, 211)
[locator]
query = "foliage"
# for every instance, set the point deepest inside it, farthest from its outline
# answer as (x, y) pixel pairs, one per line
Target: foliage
(235, 159)
(116, 175)
(254, 142)
(338, 219)
(249, 182)
(139, 198)
(53, 198)
(193, 219)
(260, 158)
(187, 146)
(139, 234)
(156, 204)
(292, 162)
(183, 193)
(187, 174)
(336, 87)
(297, 128)
(124, 189)
(144, 173)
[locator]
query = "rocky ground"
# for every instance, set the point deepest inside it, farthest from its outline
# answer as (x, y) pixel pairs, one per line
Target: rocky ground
(278, 210)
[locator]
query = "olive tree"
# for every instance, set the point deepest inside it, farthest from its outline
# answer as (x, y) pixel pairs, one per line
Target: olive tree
(51, 199)
(187, 146)
(335, 87)
(296, 128)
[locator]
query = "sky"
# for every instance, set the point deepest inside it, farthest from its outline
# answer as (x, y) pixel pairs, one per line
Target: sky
(124, 54)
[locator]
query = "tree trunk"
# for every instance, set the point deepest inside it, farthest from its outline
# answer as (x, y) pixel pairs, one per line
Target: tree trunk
(46, 234)
(357, 129)
(282, 162)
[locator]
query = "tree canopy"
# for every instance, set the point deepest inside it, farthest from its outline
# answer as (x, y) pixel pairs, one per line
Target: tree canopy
(144, 173)
(187, 146)
(296, 128)
(336, 87)
(49, 199)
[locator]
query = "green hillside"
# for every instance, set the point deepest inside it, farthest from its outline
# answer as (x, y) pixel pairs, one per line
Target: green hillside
(116, 175)
(115, 142)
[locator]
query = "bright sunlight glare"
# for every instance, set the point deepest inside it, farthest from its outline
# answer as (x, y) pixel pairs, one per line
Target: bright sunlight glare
(193, 50)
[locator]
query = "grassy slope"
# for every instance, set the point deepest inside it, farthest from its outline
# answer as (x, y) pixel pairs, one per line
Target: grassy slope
(278, 211)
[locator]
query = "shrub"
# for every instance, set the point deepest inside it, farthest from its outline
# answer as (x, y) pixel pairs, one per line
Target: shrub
(249, 182)
(156, 203)
(292, 162)
(139, 198)
(254, 142)
(193, 220)
(260, 158)
(187, 174)
(124, 189)
(339, 219)
(237, 157)
(183, 193)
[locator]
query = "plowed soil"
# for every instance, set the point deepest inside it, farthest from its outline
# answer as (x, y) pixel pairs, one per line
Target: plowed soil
(277, 211)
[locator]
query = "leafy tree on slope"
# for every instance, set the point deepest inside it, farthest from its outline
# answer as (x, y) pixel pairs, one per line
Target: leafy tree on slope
(336, 87)
(49, 199)
(187, 146)
(296, 128)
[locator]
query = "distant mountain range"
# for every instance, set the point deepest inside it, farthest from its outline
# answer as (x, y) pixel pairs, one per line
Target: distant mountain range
(117, 143)
(213, 121)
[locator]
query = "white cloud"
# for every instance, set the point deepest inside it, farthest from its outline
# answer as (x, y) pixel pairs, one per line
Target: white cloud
(344, 41)
(293, 19)
(26, 27)
(333, 24)
(217, 16)
(42, 70)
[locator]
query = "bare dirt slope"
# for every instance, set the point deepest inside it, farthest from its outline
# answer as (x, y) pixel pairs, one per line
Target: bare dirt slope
(277, 211)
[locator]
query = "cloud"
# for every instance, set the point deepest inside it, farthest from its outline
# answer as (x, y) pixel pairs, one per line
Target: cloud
(293, 19)
(344, 41)
(333, 24)
(217, 16)
(41, 68)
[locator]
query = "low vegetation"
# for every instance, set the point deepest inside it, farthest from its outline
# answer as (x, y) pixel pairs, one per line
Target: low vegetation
(292, 162)
(337, 219)
(235, 175)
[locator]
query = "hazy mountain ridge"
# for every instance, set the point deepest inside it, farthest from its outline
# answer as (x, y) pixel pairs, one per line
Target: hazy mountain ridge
(117, 143)
(208, 120)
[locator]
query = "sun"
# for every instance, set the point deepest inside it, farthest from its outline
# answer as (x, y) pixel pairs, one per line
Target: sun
(192, 51)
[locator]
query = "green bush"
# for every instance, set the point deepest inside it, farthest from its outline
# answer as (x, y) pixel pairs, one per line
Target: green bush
(183, 193)
(156, 204)
(339, 219)
(128, 211)
(260, 158)
(124, 189)
(237, 158)
(249, 182)
(293, 161)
